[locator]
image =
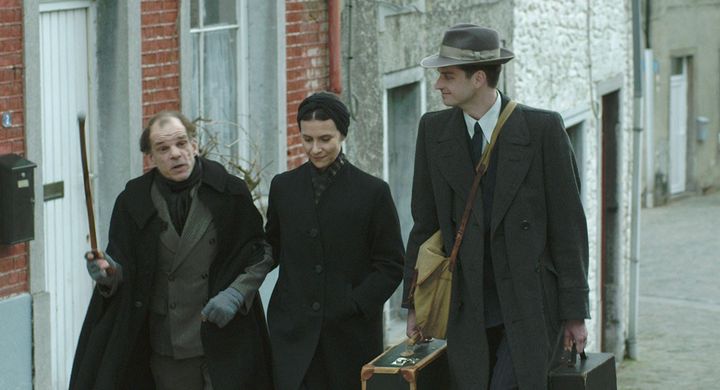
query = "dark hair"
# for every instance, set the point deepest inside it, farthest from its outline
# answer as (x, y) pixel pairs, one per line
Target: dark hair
(162, 116)
(492, 72)
(318, 114)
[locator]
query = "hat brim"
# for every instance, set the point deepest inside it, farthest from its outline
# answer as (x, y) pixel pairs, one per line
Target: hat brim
(438, 61)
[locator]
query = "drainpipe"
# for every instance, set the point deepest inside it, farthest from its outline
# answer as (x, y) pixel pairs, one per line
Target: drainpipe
(635, 206)
(334, 46)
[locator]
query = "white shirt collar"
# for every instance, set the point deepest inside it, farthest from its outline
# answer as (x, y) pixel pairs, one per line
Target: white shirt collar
(487, 122)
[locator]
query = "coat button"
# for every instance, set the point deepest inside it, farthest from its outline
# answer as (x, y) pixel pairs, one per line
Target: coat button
(313, 232)
(525, 225)
(212, 241)
(171, 277)
(316, 306)
(138, 304)
(205, 275)
(172, 306)
(318, 268)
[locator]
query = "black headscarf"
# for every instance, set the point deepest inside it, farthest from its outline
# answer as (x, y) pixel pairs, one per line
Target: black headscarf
(331, 105)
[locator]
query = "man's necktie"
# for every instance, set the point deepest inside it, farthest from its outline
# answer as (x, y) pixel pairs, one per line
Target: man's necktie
(478, 142)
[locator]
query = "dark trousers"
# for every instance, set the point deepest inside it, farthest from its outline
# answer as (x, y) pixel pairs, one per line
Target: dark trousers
(502, 374)
(180, 374)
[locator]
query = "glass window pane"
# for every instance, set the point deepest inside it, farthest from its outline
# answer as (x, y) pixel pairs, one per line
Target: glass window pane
(220, 12)
(195, 103)
(195, 14)
(220, 96)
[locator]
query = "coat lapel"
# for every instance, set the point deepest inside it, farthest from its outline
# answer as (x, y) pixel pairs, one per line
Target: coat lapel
(454, 159)
(197, 223)
(514, 159)
(170, 239)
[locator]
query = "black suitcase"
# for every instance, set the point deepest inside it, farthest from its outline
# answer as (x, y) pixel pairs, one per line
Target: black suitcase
(423, 368)
(594, 371)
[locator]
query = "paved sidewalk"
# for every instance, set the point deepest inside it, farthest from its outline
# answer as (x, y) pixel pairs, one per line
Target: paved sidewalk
(679, 324)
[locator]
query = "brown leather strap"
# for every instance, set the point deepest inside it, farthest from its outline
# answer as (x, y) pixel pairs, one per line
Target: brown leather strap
(479, 172)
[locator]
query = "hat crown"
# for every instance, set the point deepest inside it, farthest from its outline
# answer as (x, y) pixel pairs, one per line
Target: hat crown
(471, 37)
(467, 43)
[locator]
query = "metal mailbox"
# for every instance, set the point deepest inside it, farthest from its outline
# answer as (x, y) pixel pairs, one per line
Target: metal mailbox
(17, 199)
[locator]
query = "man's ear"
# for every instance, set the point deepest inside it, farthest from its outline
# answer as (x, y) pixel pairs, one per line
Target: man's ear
(479, 78)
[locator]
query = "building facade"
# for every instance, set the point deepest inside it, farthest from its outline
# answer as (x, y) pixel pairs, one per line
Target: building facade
(242, 67)
(572, 57)
(228, 63)
(682, 146)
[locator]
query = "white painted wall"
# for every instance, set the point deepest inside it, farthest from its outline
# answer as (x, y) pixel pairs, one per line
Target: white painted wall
(565, 51)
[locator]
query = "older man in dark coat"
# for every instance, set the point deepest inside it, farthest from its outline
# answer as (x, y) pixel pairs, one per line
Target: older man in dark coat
(176, 303)
(521, 274)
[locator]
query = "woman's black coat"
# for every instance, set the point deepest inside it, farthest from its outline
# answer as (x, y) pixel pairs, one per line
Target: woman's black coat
(114, 350)
(339, 260)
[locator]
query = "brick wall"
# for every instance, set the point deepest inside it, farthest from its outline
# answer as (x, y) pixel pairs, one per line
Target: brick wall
(13, 259)
(160, 58)
(307, 63)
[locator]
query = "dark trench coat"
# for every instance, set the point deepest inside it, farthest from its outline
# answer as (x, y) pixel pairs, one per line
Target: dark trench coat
(538, 242)
(339, 261)
(113, 350)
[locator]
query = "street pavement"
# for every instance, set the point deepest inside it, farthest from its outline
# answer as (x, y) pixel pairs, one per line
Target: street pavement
(679, 311)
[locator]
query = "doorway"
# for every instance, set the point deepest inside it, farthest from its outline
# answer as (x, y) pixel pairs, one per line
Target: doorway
(403, 108)
(678, 125)
(64, 58)
(610, 250)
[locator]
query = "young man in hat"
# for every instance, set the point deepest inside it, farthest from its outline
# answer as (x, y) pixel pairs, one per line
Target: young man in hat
(519, 288)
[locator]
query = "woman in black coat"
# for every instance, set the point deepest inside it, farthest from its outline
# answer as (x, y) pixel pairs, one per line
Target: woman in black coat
(336, 238)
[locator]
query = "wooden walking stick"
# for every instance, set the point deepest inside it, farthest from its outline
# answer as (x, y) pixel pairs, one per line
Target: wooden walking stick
(97, 253)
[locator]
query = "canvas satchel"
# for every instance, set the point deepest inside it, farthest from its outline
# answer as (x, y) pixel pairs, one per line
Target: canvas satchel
(432, 282)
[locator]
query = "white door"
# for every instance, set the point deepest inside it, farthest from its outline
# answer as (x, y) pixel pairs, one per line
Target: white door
(678, 130)
(64, 69)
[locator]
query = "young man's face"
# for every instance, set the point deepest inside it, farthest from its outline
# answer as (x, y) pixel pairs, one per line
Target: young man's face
(172, 152)
(322, 141)
(456, 88)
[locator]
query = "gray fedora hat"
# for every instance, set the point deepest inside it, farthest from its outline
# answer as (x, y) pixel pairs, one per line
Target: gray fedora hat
(468, 44)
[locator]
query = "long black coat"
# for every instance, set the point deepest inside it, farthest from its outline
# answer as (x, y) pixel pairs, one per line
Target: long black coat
(114, 350)
(339, 262)
(538, 233)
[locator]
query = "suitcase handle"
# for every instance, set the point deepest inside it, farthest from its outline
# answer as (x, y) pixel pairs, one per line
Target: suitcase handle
(568, 359)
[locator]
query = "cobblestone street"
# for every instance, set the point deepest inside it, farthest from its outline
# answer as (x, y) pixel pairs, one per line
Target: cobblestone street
(679, 324)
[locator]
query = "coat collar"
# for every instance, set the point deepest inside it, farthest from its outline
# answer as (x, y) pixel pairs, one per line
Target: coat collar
(454, 155)
(514, 157)
(455, 162)
(141, 206)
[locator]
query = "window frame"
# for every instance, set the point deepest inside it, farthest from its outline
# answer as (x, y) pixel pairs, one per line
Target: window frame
(242, 64)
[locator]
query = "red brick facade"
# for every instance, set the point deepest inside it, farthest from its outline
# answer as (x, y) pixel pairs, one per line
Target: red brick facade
(307, 72)
(307, 63)
(160, 58)
(13, 259)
